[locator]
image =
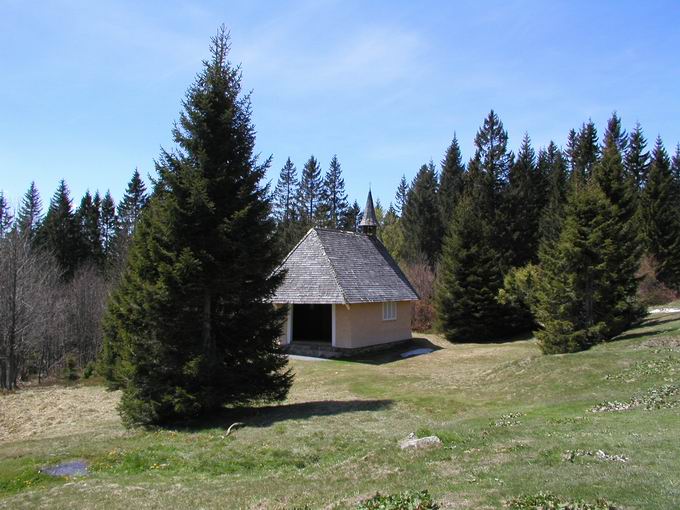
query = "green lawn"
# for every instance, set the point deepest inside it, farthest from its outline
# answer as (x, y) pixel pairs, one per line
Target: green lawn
(506, 414)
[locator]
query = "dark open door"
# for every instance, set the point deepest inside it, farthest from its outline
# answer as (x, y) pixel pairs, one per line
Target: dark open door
(312, 323)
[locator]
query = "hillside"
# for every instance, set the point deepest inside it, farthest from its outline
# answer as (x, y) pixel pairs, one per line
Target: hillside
(513, 423)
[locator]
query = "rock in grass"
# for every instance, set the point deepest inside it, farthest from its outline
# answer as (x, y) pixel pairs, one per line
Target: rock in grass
(73, 468)
(417, 443)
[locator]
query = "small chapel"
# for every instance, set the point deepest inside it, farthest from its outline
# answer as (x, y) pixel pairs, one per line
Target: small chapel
(344, 292)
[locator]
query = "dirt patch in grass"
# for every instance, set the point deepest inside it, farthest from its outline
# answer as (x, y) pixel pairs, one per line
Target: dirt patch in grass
(663, 342)
(56, 411)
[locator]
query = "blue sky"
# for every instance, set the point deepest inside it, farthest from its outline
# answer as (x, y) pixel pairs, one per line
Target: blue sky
(89, 90)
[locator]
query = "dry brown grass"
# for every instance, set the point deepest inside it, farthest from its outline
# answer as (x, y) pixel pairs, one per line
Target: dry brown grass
(56, 411)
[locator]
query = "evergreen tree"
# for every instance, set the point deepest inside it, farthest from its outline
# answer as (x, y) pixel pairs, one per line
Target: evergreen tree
(637, 159)
(285, 193)
(131, 206)
(289, 229)
(402, 195)
(610, 176)
(523, 204)
(577, 276)
(489, 169)
(191, 327)
(451, 181)
(660, 218)
(309, 194)
(333, 197)
(553, 166)
(469, 277)
(108, 225)
(6, 217)
(420, 217)
(28, 218)
(88, 219)
(675, 175)
(584, 151)
(615, 134)
(352, 218)
(59, 232)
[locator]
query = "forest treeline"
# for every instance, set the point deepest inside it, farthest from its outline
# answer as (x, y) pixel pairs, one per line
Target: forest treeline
(57, 270)
(571, 242)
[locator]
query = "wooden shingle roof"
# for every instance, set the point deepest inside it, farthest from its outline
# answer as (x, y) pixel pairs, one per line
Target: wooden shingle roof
(338, 267)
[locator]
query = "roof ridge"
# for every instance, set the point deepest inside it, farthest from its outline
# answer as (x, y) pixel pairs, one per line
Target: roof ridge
(335, 273)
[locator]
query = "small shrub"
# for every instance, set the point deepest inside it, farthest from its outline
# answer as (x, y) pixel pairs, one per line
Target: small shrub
(71, 369)
(408, 500)
(89, 370)
(422, 278)
(547, 501)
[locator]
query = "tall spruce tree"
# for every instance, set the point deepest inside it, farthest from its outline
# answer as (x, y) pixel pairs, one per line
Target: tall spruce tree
(333, 196)
(289, 229)
(661, 218)
(609, 175)
(6, 216)
(191, 326)
(523, 203)
(108, 225)
(584, 151)
(421, 219)
(352, 218)
(636, 158)
(401, 195)
(577, 276)
(309, 192)
(59, 233)
(553, 166)
(131, 206)
(88, 219)
(285, 193)
(451, 183)
(469, 277)
(675, 174)
(30, 212)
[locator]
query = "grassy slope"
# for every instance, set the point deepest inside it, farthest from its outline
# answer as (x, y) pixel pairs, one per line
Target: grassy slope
(320, 453)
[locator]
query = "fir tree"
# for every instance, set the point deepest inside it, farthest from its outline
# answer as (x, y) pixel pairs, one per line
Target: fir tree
(285, 193)
(610, 176)
(469, 277)
(577, 276)
(59, 232)
(420, 217)
(402, 195)
(451, 181)
(675, 175)
(88, 219)
(28, 218)
(637, 159)
(352, 218)
(491, 163)
(131, 206)
(289, 228)
(523, 203)
(553, 166)
(309, 194)
(6, 217)
(660, 218)
(584, 151)
(191, 326)
(108, 225)
(333, 196)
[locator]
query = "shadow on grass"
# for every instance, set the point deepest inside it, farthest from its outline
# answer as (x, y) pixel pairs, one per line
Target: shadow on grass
(393, 353)
(265, 416)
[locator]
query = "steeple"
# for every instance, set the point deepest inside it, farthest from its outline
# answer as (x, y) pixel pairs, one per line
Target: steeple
(369, 223)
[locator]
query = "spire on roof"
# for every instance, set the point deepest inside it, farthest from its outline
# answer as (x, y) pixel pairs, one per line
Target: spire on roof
(369, 222)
